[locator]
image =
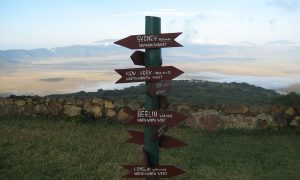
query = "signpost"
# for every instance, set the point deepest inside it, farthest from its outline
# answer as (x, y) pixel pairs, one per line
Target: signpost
(148, 74)
(155, 116)
(162, 171)
(168, 142)
(150, 41)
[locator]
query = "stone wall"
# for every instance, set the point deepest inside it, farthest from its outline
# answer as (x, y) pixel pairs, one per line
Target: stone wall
(204, 117)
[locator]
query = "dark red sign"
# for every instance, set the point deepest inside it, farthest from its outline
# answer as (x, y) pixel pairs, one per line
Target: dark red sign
(161, 171)
(150, 41)
(158, 88)
(154, 117)
(148, 74)
(138, 58)
(165, 141)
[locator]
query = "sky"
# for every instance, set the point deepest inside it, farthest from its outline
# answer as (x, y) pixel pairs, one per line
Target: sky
(257, 41)
(51, 23)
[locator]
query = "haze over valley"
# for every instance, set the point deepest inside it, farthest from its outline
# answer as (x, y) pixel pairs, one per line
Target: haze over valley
(62, 47)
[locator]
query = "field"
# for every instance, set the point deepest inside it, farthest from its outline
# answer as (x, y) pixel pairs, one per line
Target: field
(52, 148)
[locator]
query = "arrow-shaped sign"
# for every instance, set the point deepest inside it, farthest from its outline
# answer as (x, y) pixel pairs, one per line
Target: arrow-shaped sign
(158, 88)
(138, 58)
(148, 74)
(166, 141)
(150, 41)
(161, 171)
(154, 117)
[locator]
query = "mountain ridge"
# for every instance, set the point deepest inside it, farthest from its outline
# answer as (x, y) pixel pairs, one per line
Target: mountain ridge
(191, 92)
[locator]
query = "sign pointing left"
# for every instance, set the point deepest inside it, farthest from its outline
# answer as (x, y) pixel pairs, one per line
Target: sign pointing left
(166, 141)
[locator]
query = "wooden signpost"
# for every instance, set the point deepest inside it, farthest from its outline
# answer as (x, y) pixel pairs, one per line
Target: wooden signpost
(168, 142)
(155, 117)
(150, 41)
(148, 74)
(162, 171)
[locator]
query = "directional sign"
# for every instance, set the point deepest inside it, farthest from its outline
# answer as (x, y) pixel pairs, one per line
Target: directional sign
(162, 171)
(138, 58)
(166, 141)
(158, 88)
(148, 74)
(154, 117)
(150, 41)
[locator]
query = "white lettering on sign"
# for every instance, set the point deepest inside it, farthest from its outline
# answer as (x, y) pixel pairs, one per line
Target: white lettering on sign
(158, 85)
(146, 38)
(130, 73)
(152, 45)
(157, 77)
(164, 39)
(145, 72)
(146, 114)
(162, 72)
(139, 78)
(151, 120)
(162, 173)
(162, 91)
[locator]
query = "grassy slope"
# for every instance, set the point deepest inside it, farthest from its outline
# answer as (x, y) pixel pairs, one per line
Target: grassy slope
(43, 149)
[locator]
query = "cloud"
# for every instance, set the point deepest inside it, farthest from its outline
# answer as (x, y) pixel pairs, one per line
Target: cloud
(272, 23)
(262, 81)
(159, 12)
(281, 42)
(287, 5)
(57, 79)
(190, 30)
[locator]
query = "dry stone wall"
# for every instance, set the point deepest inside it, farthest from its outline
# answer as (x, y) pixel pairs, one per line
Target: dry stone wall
(204, 117)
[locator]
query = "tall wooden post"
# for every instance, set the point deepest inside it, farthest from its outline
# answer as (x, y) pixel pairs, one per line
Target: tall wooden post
(157, 80)
(152, 59)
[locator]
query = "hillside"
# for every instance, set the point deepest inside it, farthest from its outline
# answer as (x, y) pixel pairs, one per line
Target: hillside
(192, 92)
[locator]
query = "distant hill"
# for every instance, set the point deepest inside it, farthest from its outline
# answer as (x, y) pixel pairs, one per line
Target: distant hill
(192, 92)
(81, 51)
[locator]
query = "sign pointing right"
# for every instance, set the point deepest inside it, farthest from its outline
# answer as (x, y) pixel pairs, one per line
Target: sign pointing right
(150, 41)
(148, 74)
(154, 117)
(162, 171)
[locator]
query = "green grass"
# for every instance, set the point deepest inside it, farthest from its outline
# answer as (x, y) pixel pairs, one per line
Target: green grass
(45, 148)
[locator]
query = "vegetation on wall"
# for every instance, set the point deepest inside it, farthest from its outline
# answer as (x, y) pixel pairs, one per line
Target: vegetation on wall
(192, 92)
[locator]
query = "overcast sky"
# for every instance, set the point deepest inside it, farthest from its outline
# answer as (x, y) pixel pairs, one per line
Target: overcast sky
(28, 24)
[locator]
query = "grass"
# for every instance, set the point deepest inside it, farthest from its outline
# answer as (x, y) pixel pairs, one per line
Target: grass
(47, 148)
